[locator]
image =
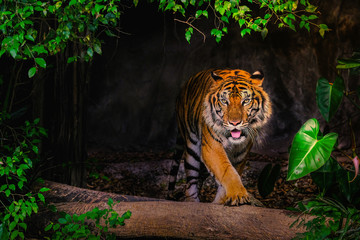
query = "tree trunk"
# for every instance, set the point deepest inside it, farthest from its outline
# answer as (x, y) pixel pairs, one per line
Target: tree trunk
(181, 220)
(65, 120)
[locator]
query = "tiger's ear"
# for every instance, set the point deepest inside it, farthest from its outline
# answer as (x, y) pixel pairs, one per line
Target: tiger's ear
(257, 78)
(215, 76)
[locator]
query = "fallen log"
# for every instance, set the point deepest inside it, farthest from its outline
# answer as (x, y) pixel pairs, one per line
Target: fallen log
(65, 193)
(183, 220)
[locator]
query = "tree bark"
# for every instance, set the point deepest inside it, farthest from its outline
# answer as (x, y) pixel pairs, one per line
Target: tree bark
(180, 220)
(65, 118)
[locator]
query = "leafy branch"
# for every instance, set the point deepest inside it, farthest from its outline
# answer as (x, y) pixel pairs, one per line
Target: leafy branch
(283, 13)
(37, 29)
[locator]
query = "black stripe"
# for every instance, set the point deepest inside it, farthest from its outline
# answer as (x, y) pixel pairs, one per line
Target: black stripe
(191, 167)
(193, 154)
(263, 99)
(204, 142)
(252, 121)
(189, 178)
(228, 84)
(243, 88)
(253, 112)
(193, 141)
(216, 139)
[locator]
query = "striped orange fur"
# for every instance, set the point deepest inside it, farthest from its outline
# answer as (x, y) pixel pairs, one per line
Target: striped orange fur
(220, 113)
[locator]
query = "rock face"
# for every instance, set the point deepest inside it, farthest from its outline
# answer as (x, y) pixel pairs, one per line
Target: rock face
(135, 83)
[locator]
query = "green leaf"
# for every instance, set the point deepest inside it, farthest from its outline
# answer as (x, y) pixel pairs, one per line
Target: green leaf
(241, 22)
(98, 8)
(20, 184)
(188, 34)
(7, 192)
(126, 215)
(347, 63)
(267, 179)
(322, 32)
(205, 13)
(31, 72)
(217, 33)
(35, 149)
(291, 16)
(4, 234)
(310, 8)
(12, 225)
(329, 96)
(245, 31)
(62, 220)
(225, 19)
(323, 28)
(13, 53)
(30, 37)
(14, 234)
(312, 17)
(41, 62)
(170, 5)
(23, 225)
(307, 26)
(309, 151)
(264, 33)
(97, 48)
(44, 189)
(90, 52)
(110, 202)
(48, 227)
(72, 59)
(56, 227)
(41, 197)
(267, 16)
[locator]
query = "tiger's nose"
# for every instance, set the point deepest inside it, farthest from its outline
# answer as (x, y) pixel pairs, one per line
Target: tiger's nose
(234, 123)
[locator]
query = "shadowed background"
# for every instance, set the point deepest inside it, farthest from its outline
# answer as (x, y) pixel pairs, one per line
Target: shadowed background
(135, 82)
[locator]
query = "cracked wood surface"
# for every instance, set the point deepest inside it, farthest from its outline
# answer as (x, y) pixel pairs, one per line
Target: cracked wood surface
(161, 219)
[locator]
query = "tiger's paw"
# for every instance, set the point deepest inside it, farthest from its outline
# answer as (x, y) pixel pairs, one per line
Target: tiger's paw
(237, 200)
(236, 197)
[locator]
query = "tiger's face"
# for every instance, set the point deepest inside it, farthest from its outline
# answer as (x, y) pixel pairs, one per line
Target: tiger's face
(236, 105)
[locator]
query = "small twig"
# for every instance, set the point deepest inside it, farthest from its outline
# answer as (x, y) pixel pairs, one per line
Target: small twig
(187, 23)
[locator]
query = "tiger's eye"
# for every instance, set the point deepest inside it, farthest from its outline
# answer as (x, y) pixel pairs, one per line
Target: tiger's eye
(223, 101)
(246, 101)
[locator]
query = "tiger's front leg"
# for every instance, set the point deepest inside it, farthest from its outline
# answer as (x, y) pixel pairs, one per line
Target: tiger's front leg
(231, 190)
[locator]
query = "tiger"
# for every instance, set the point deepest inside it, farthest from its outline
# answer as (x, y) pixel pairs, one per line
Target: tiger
(220, 113)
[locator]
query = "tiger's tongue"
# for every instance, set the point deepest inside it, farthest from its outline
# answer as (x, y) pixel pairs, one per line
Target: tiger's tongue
(235, 133)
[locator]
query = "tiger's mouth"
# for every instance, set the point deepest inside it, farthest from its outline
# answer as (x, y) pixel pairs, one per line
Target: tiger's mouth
(236, 134)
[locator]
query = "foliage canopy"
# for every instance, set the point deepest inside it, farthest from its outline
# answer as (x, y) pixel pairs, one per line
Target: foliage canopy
(251, 15)
(34, 29)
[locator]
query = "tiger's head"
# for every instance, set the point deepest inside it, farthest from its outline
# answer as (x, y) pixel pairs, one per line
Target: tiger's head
(236, 106)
